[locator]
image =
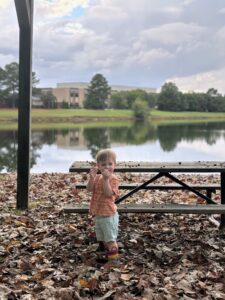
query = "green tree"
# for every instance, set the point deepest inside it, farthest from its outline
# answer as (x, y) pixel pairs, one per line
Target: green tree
(152, 100)
(213, 92)
(135, 94)
(190, 101)
(216, 102)
(97, 138)
(201, 102)
(98, 93)
(126, 99)
(49, 100)
(119, 100)
(9, 82)
(3, 92)
(170, 98)
(140, 109)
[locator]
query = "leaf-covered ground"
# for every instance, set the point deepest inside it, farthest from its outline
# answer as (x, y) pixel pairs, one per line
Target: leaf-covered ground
(45, 254)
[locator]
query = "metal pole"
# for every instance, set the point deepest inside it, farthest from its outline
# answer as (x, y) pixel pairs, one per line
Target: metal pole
(25, 18)
(222, 179)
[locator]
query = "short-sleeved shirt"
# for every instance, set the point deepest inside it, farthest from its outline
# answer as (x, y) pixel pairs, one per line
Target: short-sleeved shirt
(101, 205)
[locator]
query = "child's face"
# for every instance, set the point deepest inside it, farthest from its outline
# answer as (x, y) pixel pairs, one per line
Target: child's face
(108, 164)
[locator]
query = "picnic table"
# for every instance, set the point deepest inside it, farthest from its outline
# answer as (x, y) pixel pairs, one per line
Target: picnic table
(157, 170)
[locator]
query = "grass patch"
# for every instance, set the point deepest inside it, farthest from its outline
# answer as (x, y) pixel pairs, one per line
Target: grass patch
(75, 118)
(68, 113)
(44, 125)
(158, 114)
(8, 113)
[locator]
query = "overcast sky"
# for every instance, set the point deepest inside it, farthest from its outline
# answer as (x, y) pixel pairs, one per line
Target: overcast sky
(131, 42)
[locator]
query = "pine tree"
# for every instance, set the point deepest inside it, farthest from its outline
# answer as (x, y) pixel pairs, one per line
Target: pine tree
(98, 93)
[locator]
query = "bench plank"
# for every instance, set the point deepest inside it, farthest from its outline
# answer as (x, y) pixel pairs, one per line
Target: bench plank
(128, 166)
(160, 186)
(158, 208)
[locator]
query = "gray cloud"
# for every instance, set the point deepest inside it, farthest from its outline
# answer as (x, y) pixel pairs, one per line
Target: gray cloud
(140, 42)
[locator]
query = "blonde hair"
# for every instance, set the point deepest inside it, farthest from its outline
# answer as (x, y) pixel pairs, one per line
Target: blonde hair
(105, 154)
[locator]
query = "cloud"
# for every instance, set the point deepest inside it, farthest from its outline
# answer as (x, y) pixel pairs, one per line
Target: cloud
(57, 8)
(220, 34)
(222, 10)
(201, 82)
(173, 33)
(146, 58)
(3, 3)
(6, 59)
(143, 42)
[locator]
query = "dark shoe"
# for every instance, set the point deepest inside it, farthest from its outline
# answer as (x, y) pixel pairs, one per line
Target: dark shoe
(101, 247)
(102, 259)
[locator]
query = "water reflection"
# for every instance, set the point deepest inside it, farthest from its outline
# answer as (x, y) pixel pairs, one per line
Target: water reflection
(168, 137)
(97, 138)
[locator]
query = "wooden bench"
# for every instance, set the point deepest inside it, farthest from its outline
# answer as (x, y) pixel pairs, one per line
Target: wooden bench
(209, 188)
(153, 208)
(156, 208)
(163, 169)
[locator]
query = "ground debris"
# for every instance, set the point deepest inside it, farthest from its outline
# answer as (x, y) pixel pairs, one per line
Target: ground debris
(45, 254)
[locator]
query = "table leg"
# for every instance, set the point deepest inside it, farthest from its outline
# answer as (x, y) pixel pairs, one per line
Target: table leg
(208, 200)
(120, 199)
(222, 180)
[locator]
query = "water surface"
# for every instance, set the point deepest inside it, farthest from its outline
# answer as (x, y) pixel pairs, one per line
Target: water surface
(54, 150)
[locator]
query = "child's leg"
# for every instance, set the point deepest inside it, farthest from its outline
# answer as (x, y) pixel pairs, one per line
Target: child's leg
(112, 250)
(101, 246)
(101, 257)
(99, 234)
(110, 234)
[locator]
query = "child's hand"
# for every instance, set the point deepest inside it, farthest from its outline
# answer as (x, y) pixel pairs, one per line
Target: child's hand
(93, 172)
(106, 174)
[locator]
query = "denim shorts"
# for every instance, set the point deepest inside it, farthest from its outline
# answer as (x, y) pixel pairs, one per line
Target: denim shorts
(106, 228)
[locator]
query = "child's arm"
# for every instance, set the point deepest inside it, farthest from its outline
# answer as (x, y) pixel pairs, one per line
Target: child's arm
(90, 183)
(108, 192)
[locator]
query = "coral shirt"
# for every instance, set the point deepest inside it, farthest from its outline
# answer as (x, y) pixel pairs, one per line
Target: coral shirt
(101, 205)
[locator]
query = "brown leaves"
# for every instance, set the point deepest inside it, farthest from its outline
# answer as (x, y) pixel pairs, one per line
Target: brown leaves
(90, 283)
(45, 254)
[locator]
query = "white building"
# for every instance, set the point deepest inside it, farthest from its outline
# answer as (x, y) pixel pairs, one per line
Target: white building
(73, 93)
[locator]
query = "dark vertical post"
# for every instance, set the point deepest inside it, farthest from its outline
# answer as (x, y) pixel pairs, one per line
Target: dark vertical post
(25, 18)
(222, 221)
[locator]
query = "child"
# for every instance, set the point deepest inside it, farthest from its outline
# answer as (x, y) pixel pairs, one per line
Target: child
(104, 188)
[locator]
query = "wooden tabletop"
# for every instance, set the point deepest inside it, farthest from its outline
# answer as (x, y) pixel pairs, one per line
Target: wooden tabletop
(141, 166)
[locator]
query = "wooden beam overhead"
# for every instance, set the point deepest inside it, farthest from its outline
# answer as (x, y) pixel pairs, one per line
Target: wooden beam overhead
(23, 11)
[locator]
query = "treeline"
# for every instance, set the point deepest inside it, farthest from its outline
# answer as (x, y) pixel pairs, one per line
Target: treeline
(171, 99)
(100, 96)
(9, 88)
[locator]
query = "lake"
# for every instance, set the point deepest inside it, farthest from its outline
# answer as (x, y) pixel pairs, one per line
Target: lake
(53, 150)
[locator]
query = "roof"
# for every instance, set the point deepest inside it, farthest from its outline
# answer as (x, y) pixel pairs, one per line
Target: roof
(84, 85)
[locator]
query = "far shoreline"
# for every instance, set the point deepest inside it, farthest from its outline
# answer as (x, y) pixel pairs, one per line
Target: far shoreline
(9, 117)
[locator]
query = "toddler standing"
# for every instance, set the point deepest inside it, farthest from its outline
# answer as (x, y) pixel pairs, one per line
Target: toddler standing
(104, 188)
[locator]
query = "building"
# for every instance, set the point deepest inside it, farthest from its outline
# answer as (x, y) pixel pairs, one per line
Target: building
(73, 94)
